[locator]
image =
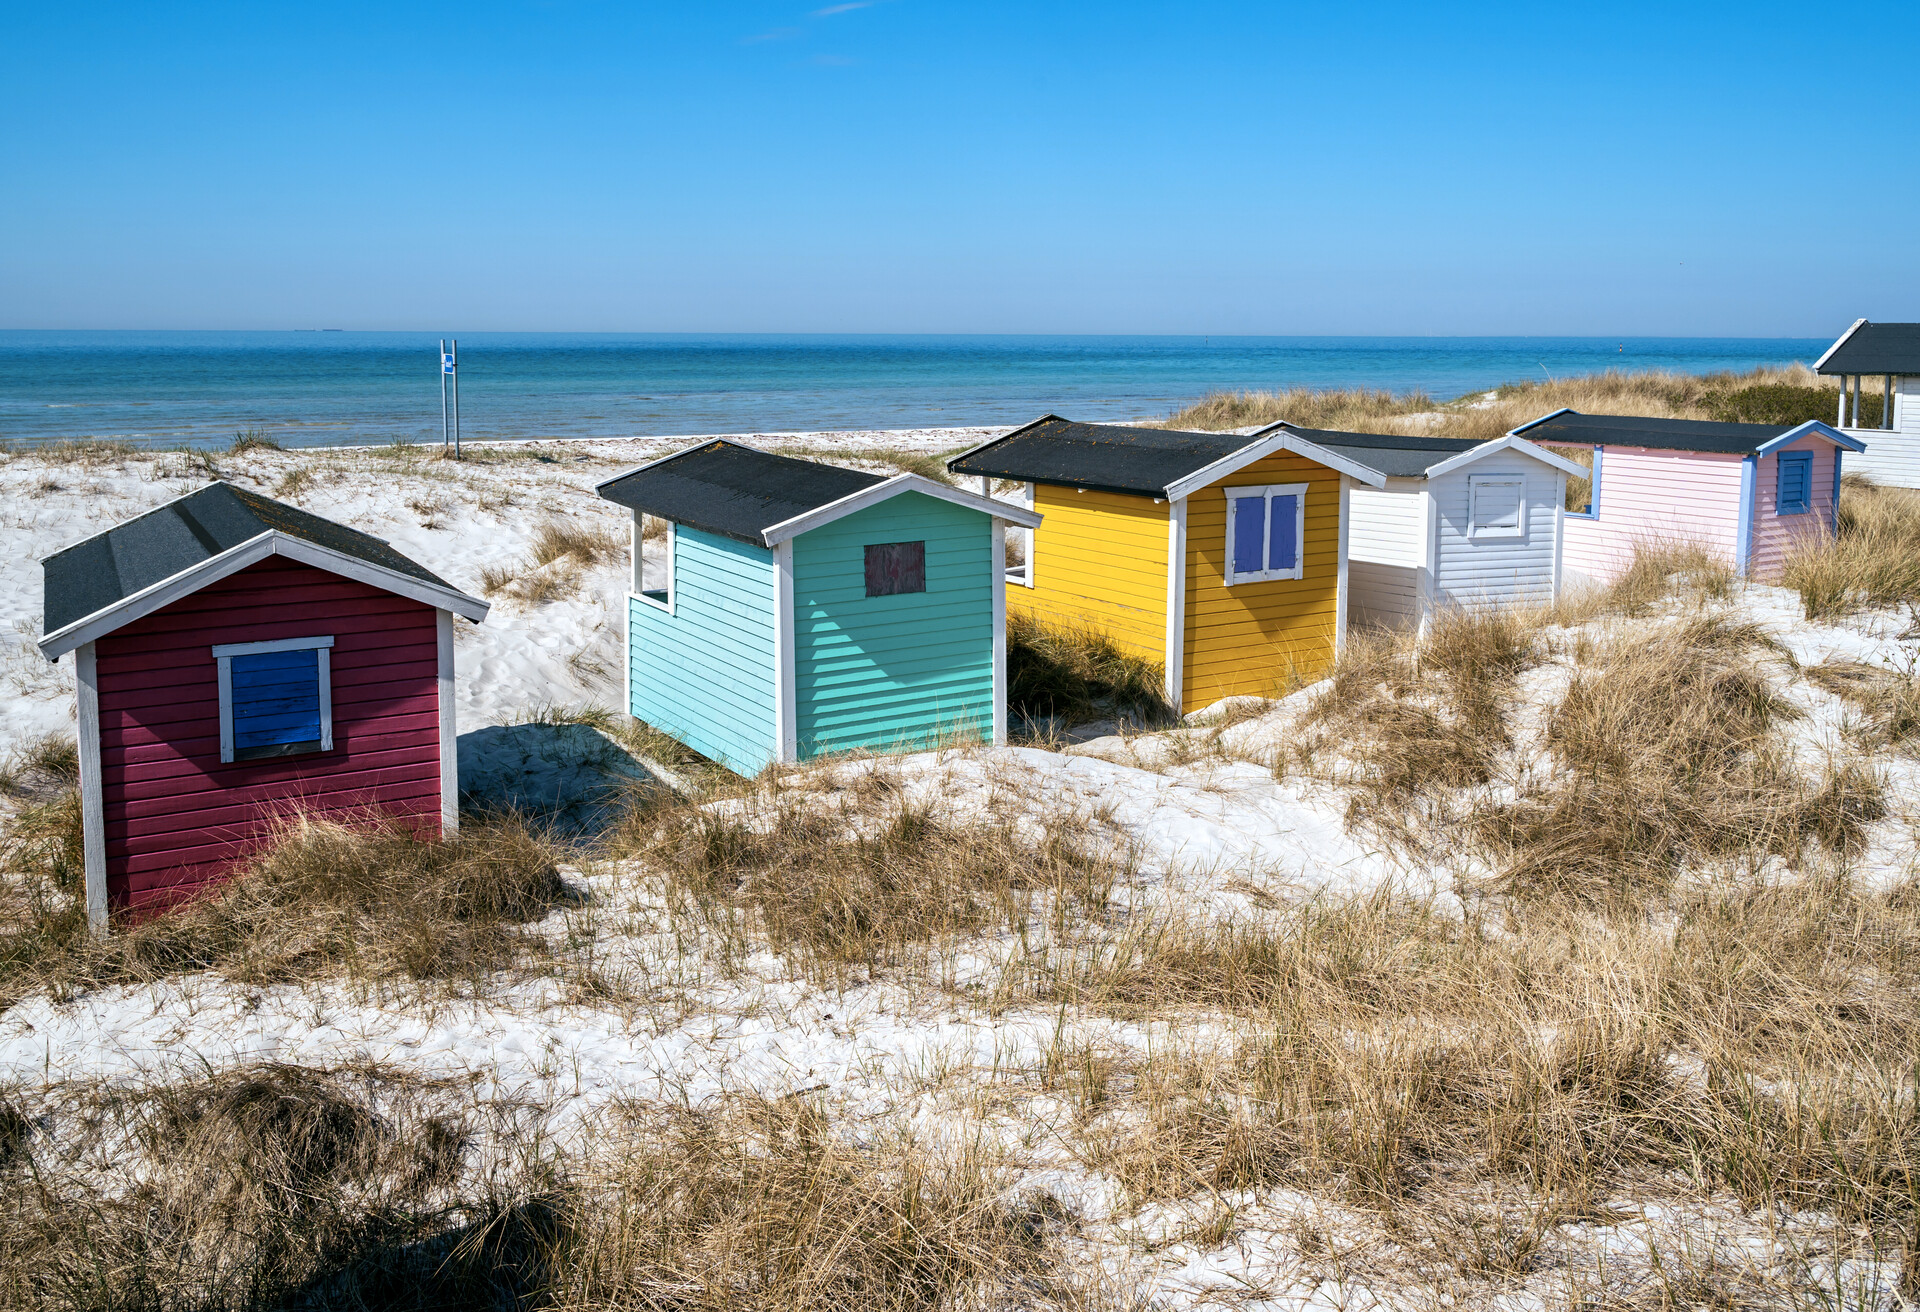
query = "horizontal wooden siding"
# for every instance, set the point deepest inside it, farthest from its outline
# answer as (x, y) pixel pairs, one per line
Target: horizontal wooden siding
(904, 671)
(1100, 562)
(1481, 572)
(176, 817)
(704, 674)
(1774, 533)
(1258, 639)
(1656, 497)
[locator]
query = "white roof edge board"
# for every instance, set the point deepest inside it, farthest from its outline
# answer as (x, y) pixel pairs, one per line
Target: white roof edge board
(251, 552)
(1857, 324)
(1520, 445)
(788, 529)
(1533, 423)
(1813, 427)
(1262, 447)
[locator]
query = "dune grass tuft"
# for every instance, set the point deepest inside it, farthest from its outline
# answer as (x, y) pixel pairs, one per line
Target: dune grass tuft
(1873, 560)
(1079, 674)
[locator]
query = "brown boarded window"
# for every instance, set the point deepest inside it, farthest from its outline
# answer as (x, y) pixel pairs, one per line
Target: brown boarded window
(896, 567)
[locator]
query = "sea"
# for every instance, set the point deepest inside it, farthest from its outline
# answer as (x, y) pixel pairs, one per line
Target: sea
(331, 388)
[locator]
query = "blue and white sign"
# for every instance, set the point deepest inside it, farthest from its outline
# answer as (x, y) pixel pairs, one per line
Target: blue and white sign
(446, 362)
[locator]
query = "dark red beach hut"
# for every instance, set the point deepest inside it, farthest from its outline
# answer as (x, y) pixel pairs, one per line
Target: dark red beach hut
(237, 658)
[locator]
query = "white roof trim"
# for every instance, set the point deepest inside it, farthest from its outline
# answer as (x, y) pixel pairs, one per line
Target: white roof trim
(788, 529)
(1271, 441)
(1857, 325)
(1812, 428)
(1519, 445)
(231, 561)
(1531, 423)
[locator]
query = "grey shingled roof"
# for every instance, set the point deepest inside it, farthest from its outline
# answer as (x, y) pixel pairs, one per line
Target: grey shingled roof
(1876, 348)
(109, 567)
(733, 490)
(1099, 457)
(1391, 454)
(1575, 429)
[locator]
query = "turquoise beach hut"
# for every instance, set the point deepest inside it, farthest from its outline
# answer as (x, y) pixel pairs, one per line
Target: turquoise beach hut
(781, 608)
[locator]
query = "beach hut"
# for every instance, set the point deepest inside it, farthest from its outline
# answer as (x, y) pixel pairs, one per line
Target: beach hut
(1221, 557)
(1744, 492)
(782, 608)
(237, 659)
(1457, 523)
(1891, 352)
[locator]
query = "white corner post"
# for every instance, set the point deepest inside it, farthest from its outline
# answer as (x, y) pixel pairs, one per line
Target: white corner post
(449, 728)
(786, 737)
(1429, 582)
(1841, 420)
(1340, 587)
(1559, 521)
(93, 805)
(998, 558)
(1177, 604)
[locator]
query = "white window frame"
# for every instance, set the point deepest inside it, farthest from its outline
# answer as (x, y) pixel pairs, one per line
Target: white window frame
(639, 528)
(223, 654)
(1475, 529)
(1266, 493)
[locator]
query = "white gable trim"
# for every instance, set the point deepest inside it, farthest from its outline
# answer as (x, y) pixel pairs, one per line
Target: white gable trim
(1267, 442)
(1534, 423)
(1518, 445)
(1812, 428)
(788, 529)
(251, 552)
(1824, 355)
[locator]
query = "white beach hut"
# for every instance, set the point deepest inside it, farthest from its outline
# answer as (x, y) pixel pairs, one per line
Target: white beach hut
(1458, 523)
(1890, 353)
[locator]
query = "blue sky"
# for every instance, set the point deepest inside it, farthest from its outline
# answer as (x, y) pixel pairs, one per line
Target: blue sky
(913, 166)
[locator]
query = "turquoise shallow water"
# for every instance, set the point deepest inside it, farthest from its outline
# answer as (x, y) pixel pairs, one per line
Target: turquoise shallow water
(326, 388)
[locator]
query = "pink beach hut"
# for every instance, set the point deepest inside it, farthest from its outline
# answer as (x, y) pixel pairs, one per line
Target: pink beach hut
(1742, 491)
(237, 658)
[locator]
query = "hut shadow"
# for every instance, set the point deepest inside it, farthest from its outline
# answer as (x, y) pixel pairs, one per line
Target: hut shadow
(500, 1262)
(570, 777)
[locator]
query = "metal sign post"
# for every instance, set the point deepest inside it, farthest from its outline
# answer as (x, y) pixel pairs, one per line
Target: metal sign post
(450, 372)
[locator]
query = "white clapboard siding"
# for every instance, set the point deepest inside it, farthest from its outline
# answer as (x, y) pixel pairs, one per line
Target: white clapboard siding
(1892, 456)
(1384, 526)
(1386, 551)
(1495, 571)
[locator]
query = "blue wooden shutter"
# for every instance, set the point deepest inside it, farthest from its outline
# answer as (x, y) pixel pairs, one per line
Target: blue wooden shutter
(1285, 520)
(1249, 534)
(1796, 482)
(276, 700)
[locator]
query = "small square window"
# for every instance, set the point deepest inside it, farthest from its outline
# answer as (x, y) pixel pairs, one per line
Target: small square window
(1497, 506)
(896, 567)
(276, 698)
(1266, 533)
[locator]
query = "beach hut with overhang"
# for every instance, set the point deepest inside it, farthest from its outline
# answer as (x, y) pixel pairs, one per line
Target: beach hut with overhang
(1220, 557)
(782, 609)
(237, 660)
(1890, 353)
(1457, 524)
(1744, 492)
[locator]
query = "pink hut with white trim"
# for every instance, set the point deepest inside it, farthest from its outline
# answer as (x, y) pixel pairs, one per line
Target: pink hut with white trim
(1745, 492)
(237, 659)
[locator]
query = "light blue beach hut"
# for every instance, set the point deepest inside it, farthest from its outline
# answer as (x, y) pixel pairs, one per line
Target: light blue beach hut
(782, 608)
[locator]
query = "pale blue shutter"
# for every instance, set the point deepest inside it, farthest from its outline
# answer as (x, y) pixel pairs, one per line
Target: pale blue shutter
(1285, 520)
(1249, 534)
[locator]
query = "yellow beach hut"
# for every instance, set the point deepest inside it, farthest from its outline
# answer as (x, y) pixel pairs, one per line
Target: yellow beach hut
(1220, 556)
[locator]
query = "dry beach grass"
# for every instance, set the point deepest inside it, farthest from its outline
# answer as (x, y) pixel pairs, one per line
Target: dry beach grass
(1650, 1044)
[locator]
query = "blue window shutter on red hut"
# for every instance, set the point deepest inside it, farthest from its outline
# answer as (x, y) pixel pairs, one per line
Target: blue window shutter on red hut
(1249, 534)
(276, 699)
(1284, 518)
(1796, 483)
